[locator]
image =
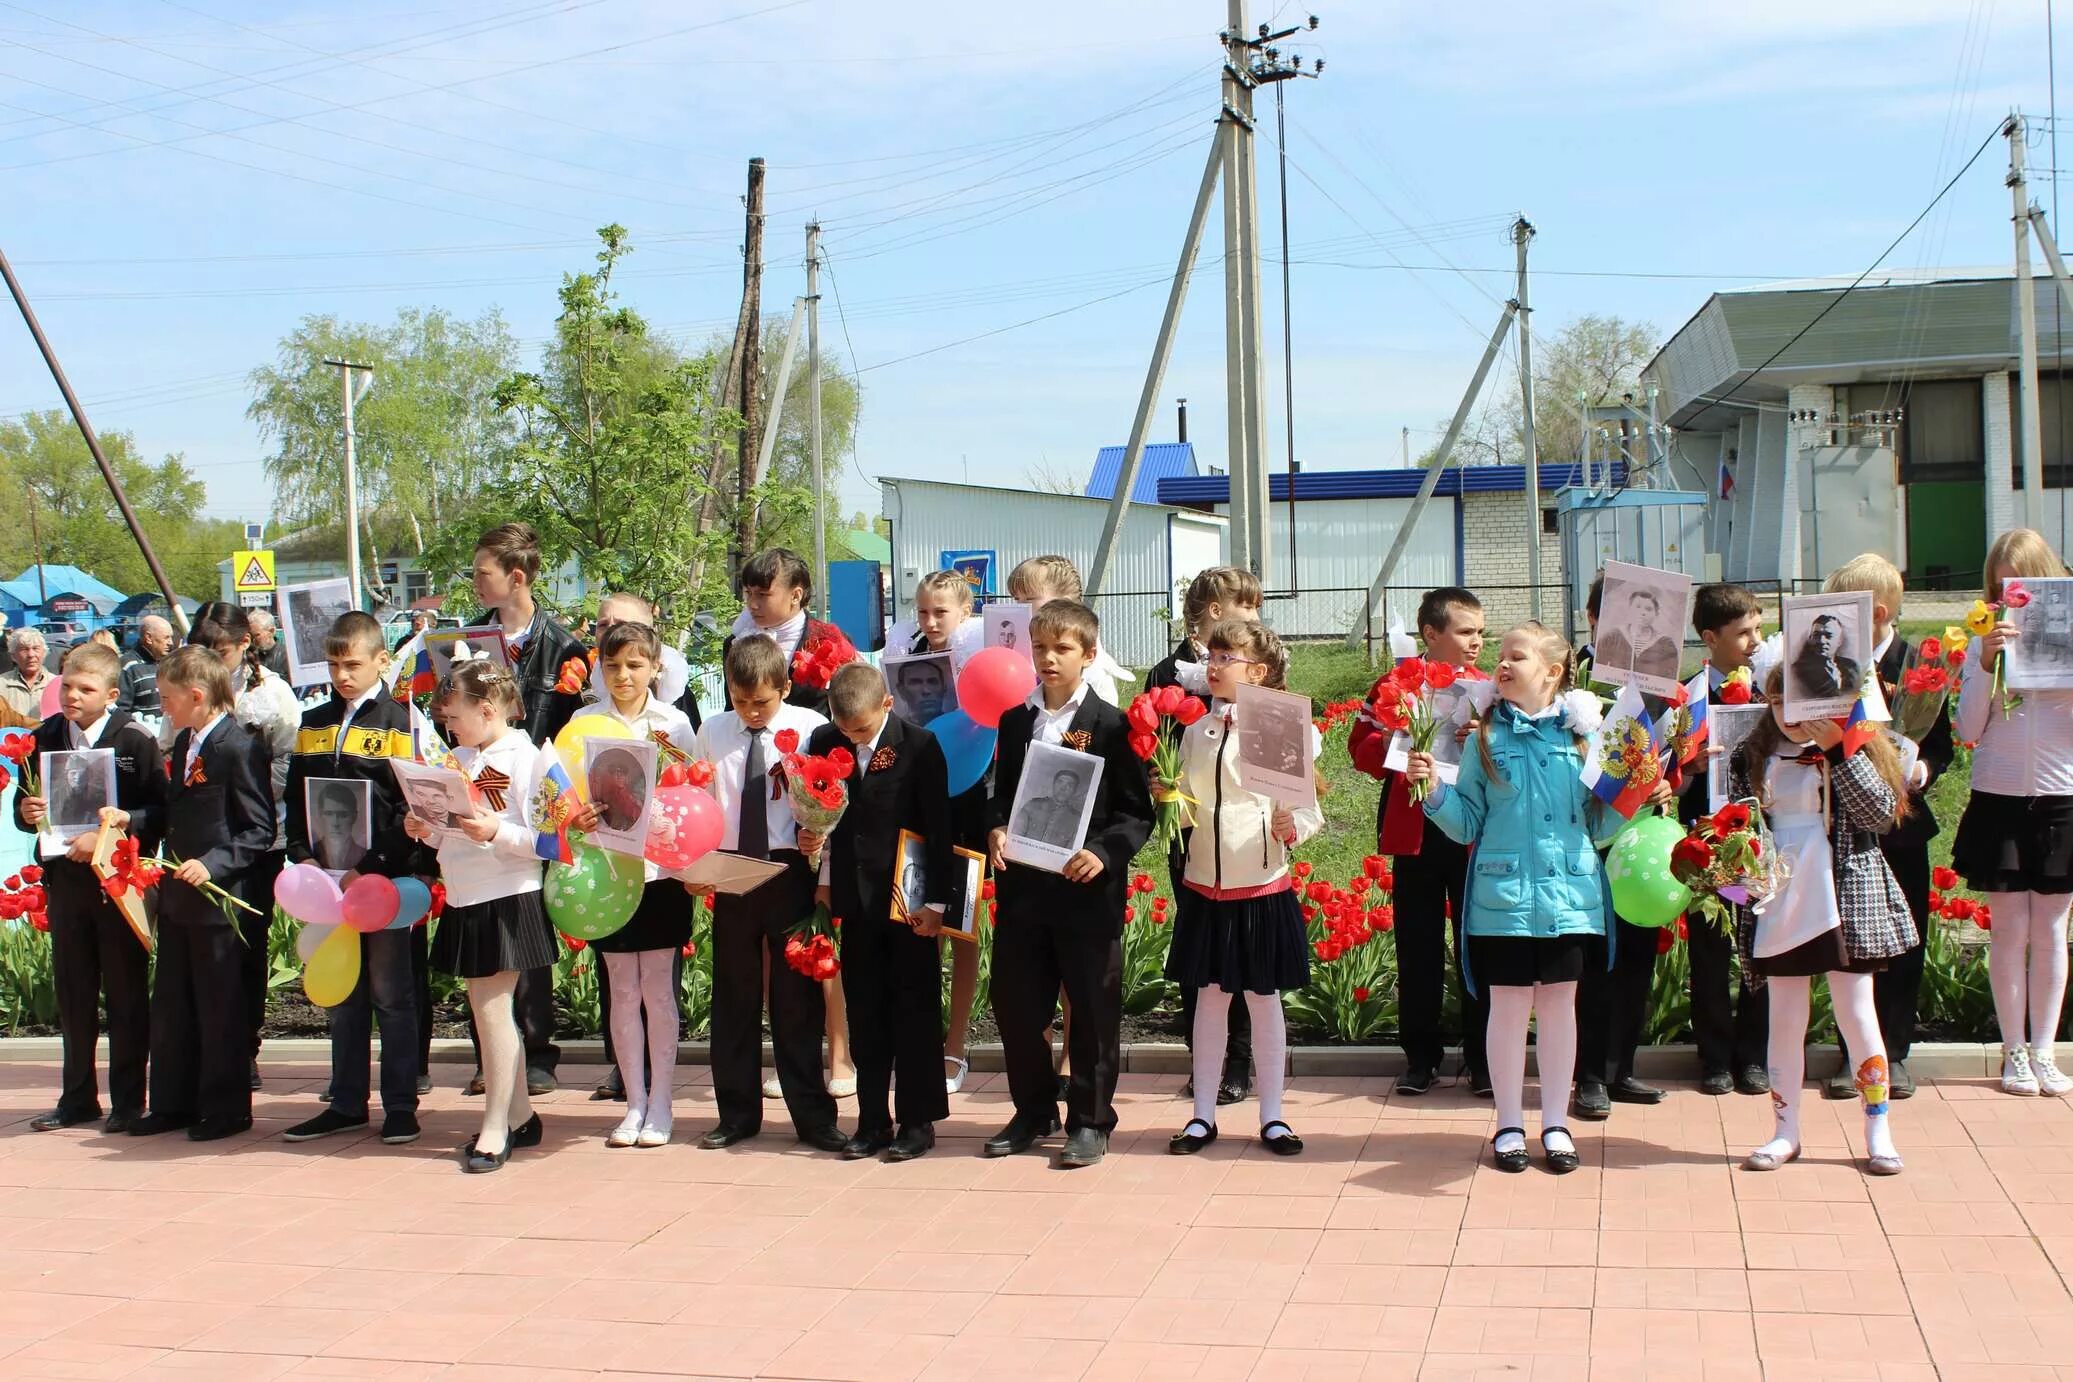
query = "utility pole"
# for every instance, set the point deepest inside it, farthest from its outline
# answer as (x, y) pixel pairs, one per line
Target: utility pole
(1522, 236)
(748, 369)
(1406, 439)
(355, 380)
(2032, 434)
(1235, 130)
(813, 415)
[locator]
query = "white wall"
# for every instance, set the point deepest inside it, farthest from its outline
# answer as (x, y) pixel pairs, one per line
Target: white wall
(1340, 544)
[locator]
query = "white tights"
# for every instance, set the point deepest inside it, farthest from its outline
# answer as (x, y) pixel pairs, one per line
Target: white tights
(2026, 963)
(1269, 1051)
(505, 1104)
(645, 980)
(1511, 1005)
(1857, 1018)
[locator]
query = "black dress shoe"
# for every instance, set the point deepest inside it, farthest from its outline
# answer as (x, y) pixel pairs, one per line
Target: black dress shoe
(1716, 1082)
(912, 1142)
(1591, 1102)
(610, 1087)
(726, 1135)
(424, 1083)
(119, 1123)
(1561, 1163)
(1628, 1090)
(59, 1118)
(528, 1133)
(1288, 1144)
(1901, 1083)
(828, 1139)
(538, 1081)
(1479, 1084)
(1065, 1088)
(1084, 1148)
(1233, 1092)
(1513, 1161)
(152, 1124)
(1416, 1080)
(867, 1144)
(1019, 1136)
(1752, 1079)
(1187, 1142)
(474, 1086)
(257, 1083)
(475, 1163)
(216, 1129)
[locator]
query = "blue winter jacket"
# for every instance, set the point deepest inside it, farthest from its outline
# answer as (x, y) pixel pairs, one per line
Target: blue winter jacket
(1535, 830)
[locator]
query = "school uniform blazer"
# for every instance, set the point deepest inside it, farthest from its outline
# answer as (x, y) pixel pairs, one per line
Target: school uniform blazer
(221, 815)
(140, 789)
(903, 784)
(1116, 831)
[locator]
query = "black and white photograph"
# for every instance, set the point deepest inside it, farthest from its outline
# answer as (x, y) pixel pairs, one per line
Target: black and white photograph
(922, 687)
(1641, 628)
(1453, 709)
(1276, 745)
(621, 775)
(2042, 659)
(1726, 727)
(910, 875)
(1053, 803)
(437, 796)
(76, 785)
(341, 821)
(447, 646)
(967, 883)
(1826, 653)
(312, 609)
(1007, 626)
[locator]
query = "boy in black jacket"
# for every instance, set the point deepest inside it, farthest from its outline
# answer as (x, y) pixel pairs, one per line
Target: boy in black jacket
(92, 949)
(351, 738)
(1066, 929)
(219, 822)
(892, 975)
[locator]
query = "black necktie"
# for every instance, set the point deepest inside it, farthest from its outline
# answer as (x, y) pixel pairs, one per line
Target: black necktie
(755, 804)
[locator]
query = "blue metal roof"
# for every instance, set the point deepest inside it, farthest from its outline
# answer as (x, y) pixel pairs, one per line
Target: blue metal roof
(1163, 461)
(1384, 484)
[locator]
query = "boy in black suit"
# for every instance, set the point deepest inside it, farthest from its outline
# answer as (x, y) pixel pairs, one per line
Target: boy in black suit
(93, 952)
(1066, 929)
(892, 974)
(775, 588)
(219, 821)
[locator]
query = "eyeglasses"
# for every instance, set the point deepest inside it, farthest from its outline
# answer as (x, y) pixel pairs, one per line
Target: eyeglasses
(1227, 659)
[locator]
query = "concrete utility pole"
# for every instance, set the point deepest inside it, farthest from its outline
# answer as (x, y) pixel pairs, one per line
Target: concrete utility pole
(2031, 433)
(748, 369)
(355, 380)
(1522, 236)
(813, 415)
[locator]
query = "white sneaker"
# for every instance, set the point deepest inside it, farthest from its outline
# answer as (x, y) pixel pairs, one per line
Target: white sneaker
(2016, 1075)
(2050, 1079)
(655, 1132)
(629, 1130)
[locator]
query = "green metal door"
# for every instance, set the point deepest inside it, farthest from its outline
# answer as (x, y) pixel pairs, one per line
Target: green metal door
(1946, 534)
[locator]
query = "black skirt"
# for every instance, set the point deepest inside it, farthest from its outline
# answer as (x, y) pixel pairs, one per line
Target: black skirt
(505, 934)
(2016, 844)
(1825, 954)
(662, 921)
(1254, 944)
(1523, 961)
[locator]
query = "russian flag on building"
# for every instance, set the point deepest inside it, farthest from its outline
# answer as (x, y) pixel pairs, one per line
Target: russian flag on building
(552, 803)
(1625, 760)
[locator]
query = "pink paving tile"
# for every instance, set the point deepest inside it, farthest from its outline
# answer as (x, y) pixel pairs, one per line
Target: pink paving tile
(150, 1323)
(1673, 1288)
(421, 1336)
(1050, 1317)
(1377, 1329)
(276, 1329)
(1335, 1365)
(1861, 1291)
(1327, 1284)
(903, 1312)
(1071, 1272)
(1536, 1330)
(213, 1367)
(75, 1358)
(1797, 1339)
(848, 1356)
(1671, 1336)
(1180, 1320)
(969, 1358)
(1129, 1360)
(1520, 1287)
(1527, 1247)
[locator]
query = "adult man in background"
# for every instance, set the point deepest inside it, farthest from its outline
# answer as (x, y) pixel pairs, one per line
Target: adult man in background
(139, 692)
(21, 686)
(267, 639)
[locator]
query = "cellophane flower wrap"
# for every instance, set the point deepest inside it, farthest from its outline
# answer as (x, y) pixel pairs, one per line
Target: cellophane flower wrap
(1726, 859)
(817, 785)
(1403, 703)
(1158, 718)
(1925, 685)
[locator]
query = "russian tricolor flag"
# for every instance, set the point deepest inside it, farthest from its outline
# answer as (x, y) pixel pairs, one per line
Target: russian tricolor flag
(1696, 692)
(1625, 760)
(1858, 728)
(552, 803)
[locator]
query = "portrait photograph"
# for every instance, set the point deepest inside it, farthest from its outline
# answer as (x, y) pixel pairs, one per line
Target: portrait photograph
(311, 610)
(922, 687)
(448, 646)
(1453, 709)
(1826, 652)
(1726, 727)
(76, 785)
(437, 796)
(1641, 623)
(620, 774)
(1276, 745)
(910, 875)
(1053, 802)
(2042, 659)
(1007, 626)
(340, 812)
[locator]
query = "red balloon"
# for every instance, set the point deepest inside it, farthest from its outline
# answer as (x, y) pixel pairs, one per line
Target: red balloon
(370, 903)
(993, 682)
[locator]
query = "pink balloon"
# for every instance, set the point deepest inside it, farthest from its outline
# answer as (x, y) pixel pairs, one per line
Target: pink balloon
(308, 894)
(673, 806)
(49, 702)
(993, 682)
(370, 903)
(703, 826)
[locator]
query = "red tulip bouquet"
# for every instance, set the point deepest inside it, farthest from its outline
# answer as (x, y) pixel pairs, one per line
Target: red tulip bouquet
(1402, 703)
(817, 785)
(1158, 719)
(1727, 861)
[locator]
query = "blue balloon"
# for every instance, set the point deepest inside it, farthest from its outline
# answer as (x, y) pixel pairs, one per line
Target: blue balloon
(413, 900)
(967, 748)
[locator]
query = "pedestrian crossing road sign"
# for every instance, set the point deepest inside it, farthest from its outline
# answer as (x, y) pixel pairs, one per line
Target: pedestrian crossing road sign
(253, 572)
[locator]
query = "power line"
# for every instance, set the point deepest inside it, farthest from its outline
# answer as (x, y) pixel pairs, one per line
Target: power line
(857, 412)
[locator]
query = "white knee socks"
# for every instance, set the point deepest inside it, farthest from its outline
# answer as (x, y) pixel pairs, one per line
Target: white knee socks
(1510, 1008)
(659, 998)
(505, 1104)
(1857, 1018)
(1554, 1012)
(1269, 1051)
(1790, 1008)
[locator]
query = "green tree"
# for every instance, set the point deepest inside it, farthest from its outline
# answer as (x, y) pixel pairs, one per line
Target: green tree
(1593, 362)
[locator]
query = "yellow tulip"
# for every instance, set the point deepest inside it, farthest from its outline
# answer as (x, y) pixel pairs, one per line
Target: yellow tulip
(1980, 620)
(1954, 639)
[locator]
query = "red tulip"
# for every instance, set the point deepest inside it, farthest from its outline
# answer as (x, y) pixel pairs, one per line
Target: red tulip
(1360, 995)
(1189, 710)
(1144, 743)
(1664, 939)
(1940, 878)
(1166, 700)
(33, 873)
(1440, 675)
(787, 740)
(573, 942)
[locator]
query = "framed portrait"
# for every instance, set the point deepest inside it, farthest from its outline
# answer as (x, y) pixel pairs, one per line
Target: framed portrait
(437, 796)
(621, 777)
(2042, 659)
(77, 783)
(340, 815)
(1726, 727)
(1452, 709)
(922, 687)
(447, 646)
(1007, 626)
(309, 610)
(1276, 747)
(1641, 616)
(1826, 653)
(1047, 823)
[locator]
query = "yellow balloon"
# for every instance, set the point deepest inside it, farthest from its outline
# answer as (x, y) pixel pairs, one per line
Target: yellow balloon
(569, 744)
(333, 968)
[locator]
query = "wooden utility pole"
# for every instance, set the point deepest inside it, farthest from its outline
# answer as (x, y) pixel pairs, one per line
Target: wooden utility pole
(730, 394)
(748, 369)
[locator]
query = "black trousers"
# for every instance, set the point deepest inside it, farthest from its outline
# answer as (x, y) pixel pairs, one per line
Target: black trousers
(1426, 883)
(255, 966)
(798, 1010)
(534, 1004)
(1897, 989)
(201, 1033)
(1032, 960)
(92, 952)
(892, 982)
(1612, 1006)
(421, 989)
(1731, 1032)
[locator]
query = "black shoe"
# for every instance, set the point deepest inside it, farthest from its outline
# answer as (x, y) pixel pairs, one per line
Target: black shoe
(1187, 1089)
(528, 1133)
(1479, 1084)
(257, 1083)
(610, 1087)
(1841, 1085)
(120, 1122)
(325, 1097)
(1186, 1143)
(58, 1118)
(1514, 1161)
(1716, 1082)
(912, 1142)
(726, 1135)
(1233, 1092)
(828, 1139)
(1019, 1136)
(399, 1128)
(1561, 1163)
(1591, 1102)
(1902, 1084)
(865, 1145)
(1288, 1144)
(1084, 1148)
(475, 1163)
(1752, 1079)
(152, 1124)
(424, 1084)
(474, 1086)
(1628, 1090)
(538, 1081)
(1065, 1086)
(323, 1125)
(1416, 1080)
(216, 1129)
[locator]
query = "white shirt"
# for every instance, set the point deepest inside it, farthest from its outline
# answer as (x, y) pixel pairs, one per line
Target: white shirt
(194, 745)
(1051, 725)
(89, 737)
(2027, 754)
(723, 743)
(506, 866)
(786, 635)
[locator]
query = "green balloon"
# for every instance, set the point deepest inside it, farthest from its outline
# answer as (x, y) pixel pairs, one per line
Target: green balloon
(1644, 891)
(596, 895)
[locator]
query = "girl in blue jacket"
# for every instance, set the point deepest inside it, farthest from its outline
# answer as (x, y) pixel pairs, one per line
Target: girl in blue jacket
(1536, 894)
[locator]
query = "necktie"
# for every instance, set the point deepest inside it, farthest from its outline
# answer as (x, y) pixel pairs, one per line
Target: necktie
(755, 802)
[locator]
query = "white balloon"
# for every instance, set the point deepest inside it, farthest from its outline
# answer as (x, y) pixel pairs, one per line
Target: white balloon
(309, 938)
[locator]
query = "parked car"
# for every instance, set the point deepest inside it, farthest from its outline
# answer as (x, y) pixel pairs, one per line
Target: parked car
(396, 626)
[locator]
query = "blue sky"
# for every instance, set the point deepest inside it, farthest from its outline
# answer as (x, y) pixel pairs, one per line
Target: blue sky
(185, 180)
